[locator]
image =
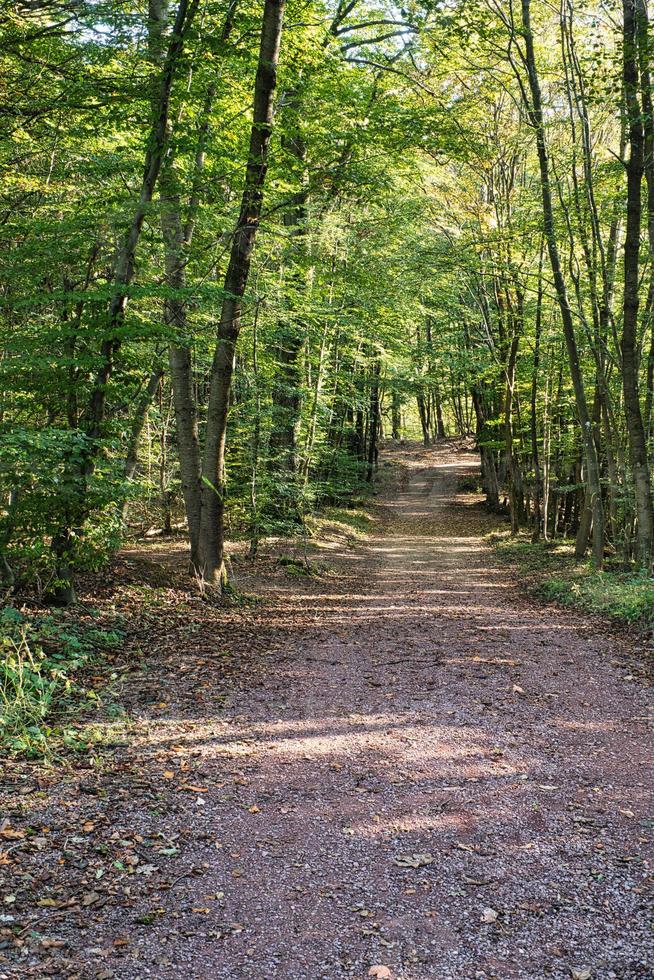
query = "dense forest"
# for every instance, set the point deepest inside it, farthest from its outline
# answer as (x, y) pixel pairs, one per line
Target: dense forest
(242, 246)
(326, 385)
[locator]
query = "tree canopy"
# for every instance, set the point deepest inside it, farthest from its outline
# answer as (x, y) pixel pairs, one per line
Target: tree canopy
(242, 244)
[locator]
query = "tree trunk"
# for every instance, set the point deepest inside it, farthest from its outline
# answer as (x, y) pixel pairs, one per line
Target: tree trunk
(511, 473)
(374, 421)
(629, 345)
(287, 386)
(533, 427)
(424, 420)
(648, 163)
(396, 422)
(535, 113)
(212, 539)
(440, 423)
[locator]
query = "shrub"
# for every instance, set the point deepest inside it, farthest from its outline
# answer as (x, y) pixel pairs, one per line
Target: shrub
(41, 689)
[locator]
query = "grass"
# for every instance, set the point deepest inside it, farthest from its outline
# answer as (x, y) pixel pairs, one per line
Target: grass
(354, 521)
(45, 683)
(553, 573)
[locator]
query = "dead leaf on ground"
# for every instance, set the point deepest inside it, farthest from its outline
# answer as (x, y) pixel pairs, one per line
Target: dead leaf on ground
(413, 860)
(10, 834)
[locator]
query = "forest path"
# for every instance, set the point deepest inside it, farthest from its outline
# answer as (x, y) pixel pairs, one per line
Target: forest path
(403, 768)
(435, 712)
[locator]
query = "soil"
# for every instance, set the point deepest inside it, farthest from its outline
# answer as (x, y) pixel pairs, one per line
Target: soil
(402, 768)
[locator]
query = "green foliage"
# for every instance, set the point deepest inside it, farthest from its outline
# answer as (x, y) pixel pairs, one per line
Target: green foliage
(355, 521)
(402, 233)
(555, 575)
(42, 666)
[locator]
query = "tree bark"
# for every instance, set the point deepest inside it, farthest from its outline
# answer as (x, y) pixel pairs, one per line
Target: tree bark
(287, 387)
(629, 344)
(535, 112)
(212, 542)
(374, 421)
(533, 427)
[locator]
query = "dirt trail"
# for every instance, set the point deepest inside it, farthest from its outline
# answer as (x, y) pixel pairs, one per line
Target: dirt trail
(395, 727)
(431, 711)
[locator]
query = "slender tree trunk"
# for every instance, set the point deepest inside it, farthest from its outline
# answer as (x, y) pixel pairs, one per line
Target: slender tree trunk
(255, 530)
(287, 386)
(648, 163)
(396, 424)
(586, 514)
(490, 482)
(313, 417)
(7, 576)
(374, 421)
(535, 112)
(508, 434)
(212, 538)
(424, 421)
(629, 345)
(533, 426)
(440, 422)
(177, 234)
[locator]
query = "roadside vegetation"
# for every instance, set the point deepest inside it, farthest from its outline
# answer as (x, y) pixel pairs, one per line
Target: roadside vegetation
(550, 571)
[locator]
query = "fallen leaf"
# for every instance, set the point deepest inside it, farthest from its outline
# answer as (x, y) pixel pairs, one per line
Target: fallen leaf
(413, 860)
(10, 834)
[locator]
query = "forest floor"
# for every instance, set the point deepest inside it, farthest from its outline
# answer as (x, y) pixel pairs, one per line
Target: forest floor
(401, 768)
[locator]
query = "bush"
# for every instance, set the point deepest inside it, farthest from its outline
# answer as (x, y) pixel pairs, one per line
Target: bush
(41, 666)
(553, 573)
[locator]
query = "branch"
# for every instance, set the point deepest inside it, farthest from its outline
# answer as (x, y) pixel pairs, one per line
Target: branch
(394, 71)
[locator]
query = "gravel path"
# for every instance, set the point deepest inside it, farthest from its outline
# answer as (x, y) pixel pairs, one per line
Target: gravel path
(445, 780)
(430, 777)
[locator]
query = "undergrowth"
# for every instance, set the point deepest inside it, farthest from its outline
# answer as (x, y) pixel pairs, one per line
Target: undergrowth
(45, 686)
(356, 521)
(553, 573)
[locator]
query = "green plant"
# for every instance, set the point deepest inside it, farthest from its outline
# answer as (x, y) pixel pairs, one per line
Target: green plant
(41, 687)
(555, 575)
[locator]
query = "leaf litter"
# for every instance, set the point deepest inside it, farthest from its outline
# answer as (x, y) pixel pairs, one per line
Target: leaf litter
(159, 857)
